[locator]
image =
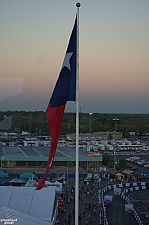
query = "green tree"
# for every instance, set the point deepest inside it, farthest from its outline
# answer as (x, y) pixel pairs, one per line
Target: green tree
(109, 137)
(121, 165)
(69, 164)
(110, 164)
(107, 159)
(92, 164)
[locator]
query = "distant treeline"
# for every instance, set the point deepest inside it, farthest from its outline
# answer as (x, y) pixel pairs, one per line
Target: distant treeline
(36, 123)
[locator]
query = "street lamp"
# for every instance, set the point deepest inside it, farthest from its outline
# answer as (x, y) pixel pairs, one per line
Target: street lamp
(114, 160)
(115, 119)
(90, 122)
(67, 177)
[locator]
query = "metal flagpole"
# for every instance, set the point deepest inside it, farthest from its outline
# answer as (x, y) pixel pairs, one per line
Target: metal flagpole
(77, 125)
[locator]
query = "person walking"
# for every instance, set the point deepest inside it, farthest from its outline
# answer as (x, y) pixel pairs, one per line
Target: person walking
(86, 222)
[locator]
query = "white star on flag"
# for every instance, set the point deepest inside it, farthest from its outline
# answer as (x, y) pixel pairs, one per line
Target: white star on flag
(66, 60)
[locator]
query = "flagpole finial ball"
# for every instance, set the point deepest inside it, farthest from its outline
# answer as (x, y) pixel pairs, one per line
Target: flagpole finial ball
(78, 4)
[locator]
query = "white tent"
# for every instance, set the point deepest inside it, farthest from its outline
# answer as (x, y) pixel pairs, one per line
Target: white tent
(129, 208)
(28, 200)
(108, 199)
(19, 218)
(117, 191)
(56, 184)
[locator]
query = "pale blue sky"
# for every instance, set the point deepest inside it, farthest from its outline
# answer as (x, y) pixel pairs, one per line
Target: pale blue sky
(114, 53)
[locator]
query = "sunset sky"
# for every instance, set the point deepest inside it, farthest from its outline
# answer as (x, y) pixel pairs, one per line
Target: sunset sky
(113, 51)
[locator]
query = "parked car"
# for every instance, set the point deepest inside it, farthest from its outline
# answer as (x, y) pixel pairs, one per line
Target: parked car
(136, 159)
(140, 162)
(129, 166)
(128, 159)
(146, 165)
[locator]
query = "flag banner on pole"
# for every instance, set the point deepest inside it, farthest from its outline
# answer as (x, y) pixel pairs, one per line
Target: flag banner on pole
(65, 90)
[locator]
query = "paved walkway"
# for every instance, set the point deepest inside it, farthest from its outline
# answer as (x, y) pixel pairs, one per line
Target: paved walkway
(88, 205)
(115, 211)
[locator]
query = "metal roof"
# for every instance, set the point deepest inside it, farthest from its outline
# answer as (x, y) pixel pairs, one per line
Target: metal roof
(28, 200)
(40, 153)
(19, 218)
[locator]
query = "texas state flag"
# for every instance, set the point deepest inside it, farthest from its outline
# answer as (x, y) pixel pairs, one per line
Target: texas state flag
(65, 90)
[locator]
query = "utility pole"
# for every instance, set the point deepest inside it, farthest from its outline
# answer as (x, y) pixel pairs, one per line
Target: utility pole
(115, 119)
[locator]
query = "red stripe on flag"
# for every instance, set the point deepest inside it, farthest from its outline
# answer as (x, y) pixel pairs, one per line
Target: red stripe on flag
(54, 117)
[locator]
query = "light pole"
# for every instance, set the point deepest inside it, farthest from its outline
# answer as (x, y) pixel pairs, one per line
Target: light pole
(115, 119)
(114, 160)
(67, 177)
(90, 122)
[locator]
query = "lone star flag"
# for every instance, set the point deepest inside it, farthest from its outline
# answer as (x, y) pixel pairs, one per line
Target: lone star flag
(65, 90)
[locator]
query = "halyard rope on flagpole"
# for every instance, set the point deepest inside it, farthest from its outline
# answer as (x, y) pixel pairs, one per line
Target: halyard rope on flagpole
(77, 124)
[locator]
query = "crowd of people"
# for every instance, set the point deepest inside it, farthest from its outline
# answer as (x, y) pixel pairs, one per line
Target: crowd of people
(89, 207)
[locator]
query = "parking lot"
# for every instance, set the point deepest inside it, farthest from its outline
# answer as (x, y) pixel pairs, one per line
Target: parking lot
(139, 160)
